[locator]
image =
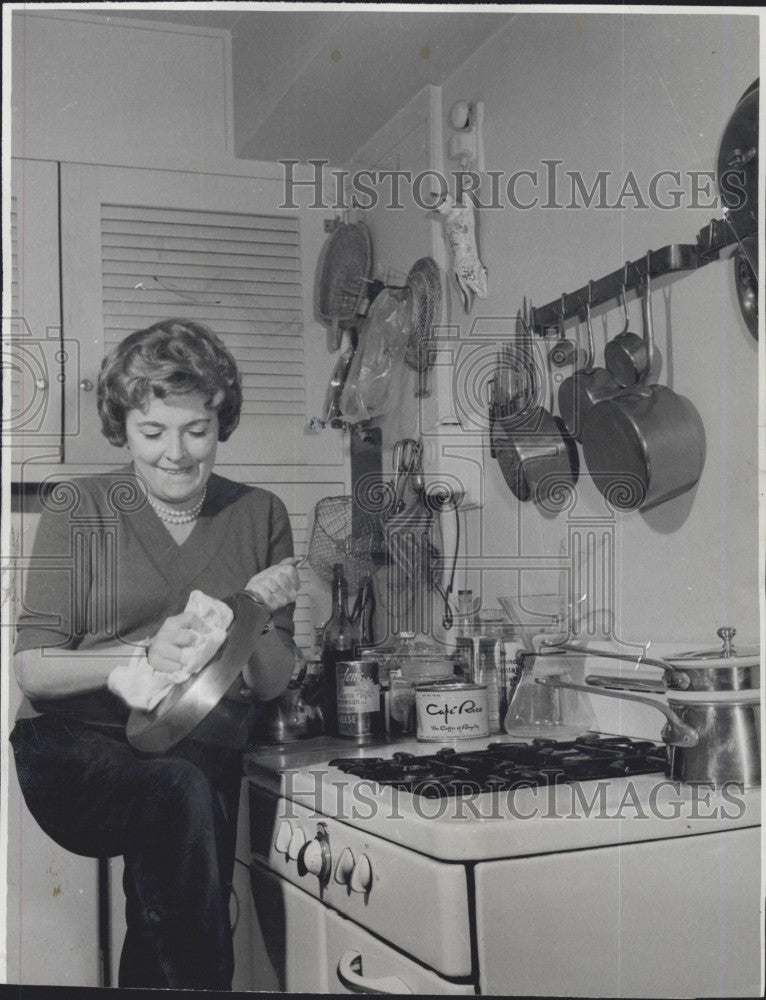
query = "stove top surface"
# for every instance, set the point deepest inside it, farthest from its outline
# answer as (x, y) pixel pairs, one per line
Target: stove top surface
(506, 766)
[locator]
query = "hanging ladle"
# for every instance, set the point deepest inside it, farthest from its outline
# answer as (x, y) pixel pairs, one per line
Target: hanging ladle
(580, 392)
(627, 356)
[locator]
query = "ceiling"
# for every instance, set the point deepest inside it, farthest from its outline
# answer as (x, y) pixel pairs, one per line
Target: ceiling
(316, 84)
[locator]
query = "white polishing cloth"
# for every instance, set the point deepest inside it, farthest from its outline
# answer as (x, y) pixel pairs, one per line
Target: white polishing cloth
(140, 686)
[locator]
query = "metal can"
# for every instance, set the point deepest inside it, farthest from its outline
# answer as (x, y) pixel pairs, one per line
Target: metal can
(451, 710)
(358, 699)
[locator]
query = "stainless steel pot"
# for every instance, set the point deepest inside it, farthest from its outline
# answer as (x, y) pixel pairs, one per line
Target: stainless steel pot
(713, 737)
(713, 710)
(723, 669)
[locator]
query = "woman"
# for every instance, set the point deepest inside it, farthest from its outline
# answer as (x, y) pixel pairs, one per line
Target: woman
(153, 532)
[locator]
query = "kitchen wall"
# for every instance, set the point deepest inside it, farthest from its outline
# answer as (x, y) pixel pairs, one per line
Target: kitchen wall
(641, 93)
(607, 92)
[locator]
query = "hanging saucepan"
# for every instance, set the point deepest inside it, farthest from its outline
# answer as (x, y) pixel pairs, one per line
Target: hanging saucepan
(627, 356)
(646, 444)
(580, 392)
(535, 454)
(563, 352)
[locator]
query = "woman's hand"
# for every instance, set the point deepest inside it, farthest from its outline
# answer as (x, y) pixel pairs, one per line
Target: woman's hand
(276, 586)
(165, 652)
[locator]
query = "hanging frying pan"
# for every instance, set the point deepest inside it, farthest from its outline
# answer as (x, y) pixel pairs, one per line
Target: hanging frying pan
(346, 269)
(738, 187)
(738, 160)
(746, 281)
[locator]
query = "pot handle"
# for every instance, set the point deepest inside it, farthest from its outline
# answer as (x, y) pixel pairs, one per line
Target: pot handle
(676, 732)
(620, 684)
(677, 679)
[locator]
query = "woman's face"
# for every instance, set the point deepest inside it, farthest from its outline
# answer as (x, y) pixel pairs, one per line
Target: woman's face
(173, 442)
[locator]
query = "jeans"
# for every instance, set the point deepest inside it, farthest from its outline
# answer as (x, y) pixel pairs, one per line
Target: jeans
(172, 817)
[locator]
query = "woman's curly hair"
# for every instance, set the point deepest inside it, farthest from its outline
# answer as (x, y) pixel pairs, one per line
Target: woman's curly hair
(174, 356)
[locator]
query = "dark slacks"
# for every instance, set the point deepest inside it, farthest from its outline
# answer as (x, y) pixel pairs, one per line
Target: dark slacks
(173, 818)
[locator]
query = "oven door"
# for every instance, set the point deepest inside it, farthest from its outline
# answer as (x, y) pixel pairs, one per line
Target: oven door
(305, 947)
(357, 962)
(666, 918)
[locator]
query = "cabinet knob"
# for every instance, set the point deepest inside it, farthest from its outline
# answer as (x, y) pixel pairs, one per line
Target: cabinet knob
(297, 841)
(317, 857)
(86, 385)
(345, 866)
(41, 384)
(361, 876)
(284, 836)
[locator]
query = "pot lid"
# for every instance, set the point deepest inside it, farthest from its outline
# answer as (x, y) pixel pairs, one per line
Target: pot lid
(725, 656)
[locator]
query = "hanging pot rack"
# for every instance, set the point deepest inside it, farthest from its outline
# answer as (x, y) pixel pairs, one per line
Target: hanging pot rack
(674, 259)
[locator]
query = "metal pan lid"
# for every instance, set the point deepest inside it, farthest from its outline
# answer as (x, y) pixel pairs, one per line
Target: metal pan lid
(725, 656)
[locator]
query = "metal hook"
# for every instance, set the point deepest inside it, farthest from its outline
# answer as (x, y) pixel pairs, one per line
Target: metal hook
(624, 296)
(591, 342)
(649, 332)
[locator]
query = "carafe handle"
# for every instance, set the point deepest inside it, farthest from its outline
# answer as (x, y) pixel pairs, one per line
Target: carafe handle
(675, 734)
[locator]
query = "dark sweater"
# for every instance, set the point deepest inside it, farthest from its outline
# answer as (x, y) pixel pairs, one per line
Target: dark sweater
(105, 570)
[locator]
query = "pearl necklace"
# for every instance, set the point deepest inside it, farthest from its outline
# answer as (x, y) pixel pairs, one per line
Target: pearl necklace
(179, 516)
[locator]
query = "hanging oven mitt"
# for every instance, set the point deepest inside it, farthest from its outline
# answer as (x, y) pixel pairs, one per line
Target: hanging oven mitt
(142, 687)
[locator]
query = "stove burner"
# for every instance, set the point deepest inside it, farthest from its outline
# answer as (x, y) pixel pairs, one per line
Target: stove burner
(507, 766)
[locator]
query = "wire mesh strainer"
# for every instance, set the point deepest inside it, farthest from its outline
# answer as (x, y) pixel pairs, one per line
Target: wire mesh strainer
(343, 533)
(425, 284)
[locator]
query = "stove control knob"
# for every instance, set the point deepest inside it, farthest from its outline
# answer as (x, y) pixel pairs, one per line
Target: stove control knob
(297, 841)
(344, 866)
(361, 876)
(284, 836)
(317, 857)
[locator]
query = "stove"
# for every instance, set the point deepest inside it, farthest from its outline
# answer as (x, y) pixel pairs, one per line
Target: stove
(502, 867)
(504, 767)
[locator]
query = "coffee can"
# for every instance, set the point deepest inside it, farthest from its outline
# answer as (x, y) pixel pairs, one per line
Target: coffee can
(451, 710)
(358, 689)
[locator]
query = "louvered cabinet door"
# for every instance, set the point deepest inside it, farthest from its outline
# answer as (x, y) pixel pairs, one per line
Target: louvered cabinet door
(32, 348)
(145, 245)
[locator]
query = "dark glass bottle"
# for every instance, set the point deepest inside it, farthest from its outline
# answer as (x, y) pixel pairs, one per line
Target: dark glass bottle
(339, 641)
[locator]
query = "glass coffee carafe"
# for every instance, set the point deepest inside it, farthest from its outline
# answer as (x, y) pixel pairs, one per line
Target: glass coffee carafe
(537, 710)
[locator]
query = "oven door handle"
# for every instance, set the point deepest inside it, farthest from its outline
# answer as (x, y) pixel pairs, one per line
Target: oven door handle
(350, 974)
